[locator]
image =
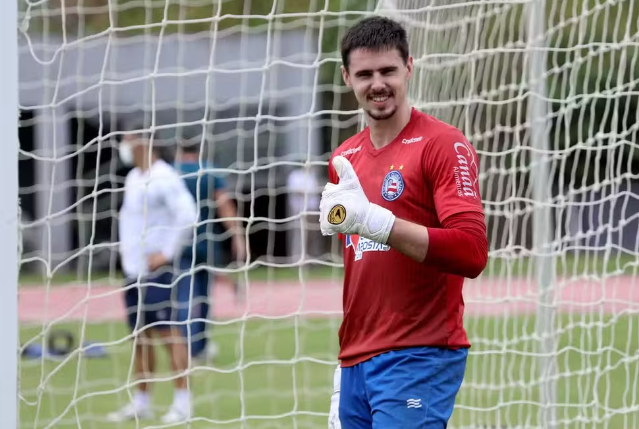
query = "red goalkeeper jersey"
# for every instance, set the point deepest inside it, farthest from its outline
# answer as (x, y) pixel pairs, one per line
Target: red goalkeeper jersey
(427, 175)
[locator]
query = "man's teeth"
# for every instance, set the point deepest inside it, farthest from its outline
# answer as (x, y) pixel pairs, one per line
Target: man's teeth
(380, 99)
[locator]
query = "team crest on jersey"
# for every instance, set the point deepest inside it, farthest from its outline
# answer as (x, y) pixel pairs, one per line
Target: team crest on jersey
(392, 186)
(361, 245)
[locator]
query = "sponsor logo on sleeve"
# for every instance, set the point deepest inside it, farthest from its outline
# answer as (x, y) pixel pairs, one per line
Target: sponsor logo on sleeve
(466, 171)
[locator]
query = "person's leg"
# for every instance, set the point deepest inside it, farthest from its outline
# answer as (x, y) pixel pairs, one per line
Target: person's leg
(414, 388)
(174, 342)
(214, 259)
(200, 311)
(144, 359)
(187, 296)
(163, 314)
(354, 411)
(144, 367)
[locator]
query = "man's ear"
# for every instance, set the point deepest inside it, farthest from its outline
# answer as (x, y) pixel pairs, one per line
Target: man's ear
(346, 76)
(409, 66)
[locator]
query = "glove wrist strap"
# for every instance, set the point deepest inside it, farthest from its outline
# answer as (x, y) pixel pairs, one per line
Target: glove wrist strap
(378, 224)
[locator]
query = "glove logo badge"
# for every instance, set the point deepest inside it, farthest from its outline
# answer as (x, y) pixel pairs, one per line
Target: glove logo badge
(337, 215)
(392, 186)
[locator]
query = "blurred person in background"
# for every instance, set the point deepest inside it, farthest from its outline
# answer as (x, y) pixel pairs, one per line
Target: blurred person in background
(303, 191)
(156, 221)
(209, 191)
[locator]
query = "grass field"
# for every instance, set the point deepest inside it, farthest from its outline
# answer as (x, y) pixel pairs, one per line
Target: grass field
(277, 373)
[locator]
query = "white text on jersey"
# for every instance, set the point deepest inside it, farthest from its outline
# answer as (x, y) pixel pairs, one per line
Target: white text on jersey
(361, 245)
(413, 140)
(351, 151)
(465, 171)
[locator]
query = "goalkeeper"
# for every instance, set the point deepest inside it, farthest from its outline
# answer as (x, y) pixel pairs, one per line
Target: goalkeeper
(404, 199)
(209, 191)
(156, 218)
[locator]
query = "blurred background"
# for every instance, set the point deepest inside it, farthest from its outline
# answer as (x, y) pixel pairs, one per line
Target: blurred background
(545, 91)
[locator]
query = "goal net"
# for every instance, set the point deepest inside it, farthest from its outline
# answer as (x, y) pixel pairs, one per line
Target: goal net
(545, 91)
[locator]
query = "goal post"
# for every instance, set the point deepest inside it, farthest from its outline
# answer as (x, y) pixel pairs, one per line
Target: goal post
(543, 225)
(9, 219)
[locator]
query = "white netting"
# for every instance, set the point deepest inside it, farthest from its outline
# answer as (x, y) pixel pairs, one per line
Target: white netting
(546, 93)
(262, 77)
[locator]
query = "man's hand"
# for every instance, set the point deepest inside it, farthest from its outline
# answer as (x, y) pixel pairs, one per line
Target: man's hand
(238, 247)
(156, 260)
(345, 209)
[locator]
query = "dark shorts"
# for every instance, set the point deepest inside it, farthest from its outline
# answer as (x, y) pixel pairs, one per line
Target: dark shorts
(404, 389)
(157, 304)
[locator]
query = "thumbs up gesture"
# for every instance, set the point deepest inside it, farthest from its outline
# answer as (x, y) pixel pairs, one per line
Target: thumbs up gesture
(345, 209)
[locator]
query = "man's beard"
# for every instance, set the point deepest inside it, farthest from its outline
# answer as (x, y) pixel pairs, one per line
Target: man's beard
(382, 115)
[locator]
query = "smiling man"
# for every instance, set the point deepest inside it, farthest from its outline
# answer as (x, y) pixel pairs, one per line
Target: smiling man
(404, 197)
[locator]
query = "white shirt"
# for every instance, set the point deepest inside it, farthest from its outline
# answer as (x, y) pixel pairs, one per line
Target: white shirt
(158, 215)
(302, 184)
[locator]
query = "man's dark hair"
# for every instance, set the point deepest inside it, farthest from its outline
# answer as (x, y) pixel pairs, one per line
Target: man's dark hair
(190, 139)
(189, 146)
(375, 33)
(138, 128)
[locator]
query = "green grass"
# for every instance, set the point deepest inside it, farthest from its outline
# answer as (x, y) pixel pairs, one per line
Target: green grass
(566, 265)
(268, 375)
(260, 375)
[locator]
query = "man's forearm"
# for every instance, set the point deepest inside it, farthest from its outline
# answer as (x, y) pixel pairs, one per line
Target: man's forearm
(460, 248)
(227, 211)
(410, 239)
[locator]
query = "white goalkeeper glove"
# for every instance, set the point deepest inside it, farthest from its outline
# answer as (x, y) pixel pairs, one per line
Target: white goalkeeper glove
(333, 414)
(345, 209)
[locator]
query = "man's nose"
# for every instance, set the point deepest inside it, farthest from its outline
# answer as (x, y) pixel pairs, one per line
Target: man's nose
(378, 82)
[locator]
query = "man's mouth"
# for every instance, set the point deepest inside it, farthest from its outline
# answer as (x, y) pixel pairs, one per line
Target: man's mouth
(380, 98)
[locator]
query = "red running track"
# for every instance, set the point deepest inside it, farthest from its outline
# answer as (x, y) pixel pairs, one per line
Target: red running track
(484, 296)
